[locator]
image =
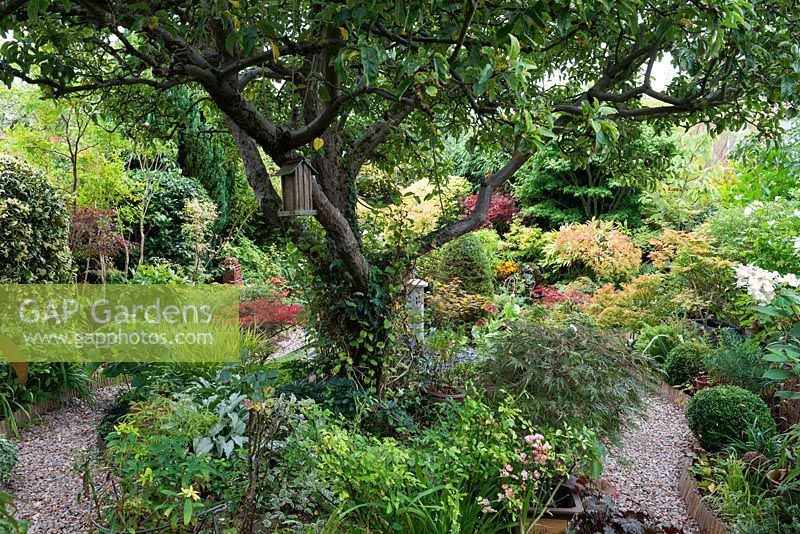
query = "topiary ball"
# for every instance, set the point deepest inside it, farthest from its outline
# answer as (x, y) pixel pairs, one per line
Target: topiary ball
(682, 364)
(722, 415)
(466, 261)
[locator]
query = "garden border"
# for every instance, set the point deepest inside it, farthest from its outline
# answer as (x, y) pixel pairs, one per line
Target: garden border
(696, 507)
(46, 406)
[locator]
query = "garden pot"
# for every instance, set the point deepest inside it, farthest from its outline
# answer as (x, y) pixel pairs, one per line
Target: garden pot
(566, 505)
(701, 382)
(776, 476)
(443, 394)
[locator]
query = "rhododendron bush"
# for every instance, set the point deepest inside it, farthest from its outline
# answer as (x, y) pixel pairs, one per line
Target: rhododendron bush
(597, 246)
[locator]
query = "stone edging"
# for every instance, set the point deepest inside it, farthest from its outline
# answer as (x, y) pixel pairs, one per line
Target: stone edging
(696, 507)
(40, 408)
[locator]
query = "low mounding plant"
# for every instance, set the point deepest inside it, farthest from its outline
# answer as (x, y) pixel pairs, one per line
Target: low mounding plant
(8, 459)
(643, 300)
(738, 362)
(449, 305)
(722, 415)
(572, 374)
(657, 341)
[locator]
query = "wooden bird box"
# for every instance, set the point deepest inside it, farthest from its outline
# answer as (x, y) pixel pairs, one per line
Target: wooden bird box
(296, 182)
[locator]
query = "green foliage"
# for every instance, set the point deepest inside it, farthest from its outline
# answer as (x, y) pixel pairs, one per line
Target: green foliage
(740, 499)
(465, 259)
(8, 459)
(205, 159)
(761, 233)
(159, 272)
(720, 416)
(658, 340)
(523, 243)
(560, 187)
(571, 374)
(160, 480)
(450, 306)
(8, 520)
(683, 198)
(764, 169)
(45, 381)
(165, 216)
(436, 482)
(737, 361)
(34, 227)
(257, 265)
(683, 363)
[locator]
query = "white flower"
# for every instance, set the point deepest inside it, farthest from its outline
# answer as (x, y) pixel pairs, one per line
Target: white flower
(747, 211)
(761, 284)
(790, 280)
(797, 213)
(797, 244)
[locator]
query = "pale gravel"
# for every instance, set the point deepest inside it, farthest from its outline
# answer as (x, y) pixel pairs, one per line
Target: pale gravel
(642, 472)
(44, 481)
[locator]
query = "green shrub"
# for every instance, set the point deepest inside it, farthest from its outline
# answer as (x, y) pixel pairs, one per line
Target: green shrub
(737, 361)
(8, 459)
(572, 374)
(682, 363)
(257, 265)
(165, 215)
(34, 227)
(721, 415)
(465, 259)
(523, 243)
(762, 233)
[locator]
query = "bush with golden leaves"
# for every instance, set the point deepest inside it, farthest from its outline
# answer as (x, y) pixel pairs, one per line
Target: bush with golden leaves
(598, 248)
(449, 305)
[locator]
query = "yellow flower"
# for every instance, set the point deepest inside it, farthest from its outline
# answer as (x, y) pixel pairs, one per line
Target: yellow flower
(190, 493)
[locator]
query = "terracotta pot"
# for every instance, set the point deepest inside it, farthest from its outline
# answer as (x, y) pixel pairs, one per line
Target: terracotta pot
(776, 476)
(701, 382)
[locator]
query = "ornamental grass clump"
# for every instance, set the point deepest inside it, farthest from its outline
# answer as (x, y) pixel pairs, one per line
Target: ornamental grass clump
(722, 415)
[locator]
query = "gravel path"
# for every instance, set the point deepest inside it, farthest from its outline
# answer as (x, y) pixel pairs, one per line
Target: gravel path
(43, 479)
(643, 471)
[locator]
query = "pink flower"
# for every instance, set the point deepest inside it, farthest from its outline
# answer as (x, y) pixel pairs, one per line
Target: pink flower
(524, 475)
(508, 468)
(486, 502)
(536, 474)
(529, 439)
(522, 456)
(500, 496)
(312, 378)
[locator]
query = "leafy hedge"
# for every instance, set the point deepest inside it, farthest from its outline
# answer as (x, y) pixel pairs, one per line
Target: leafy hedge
(34, 227)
